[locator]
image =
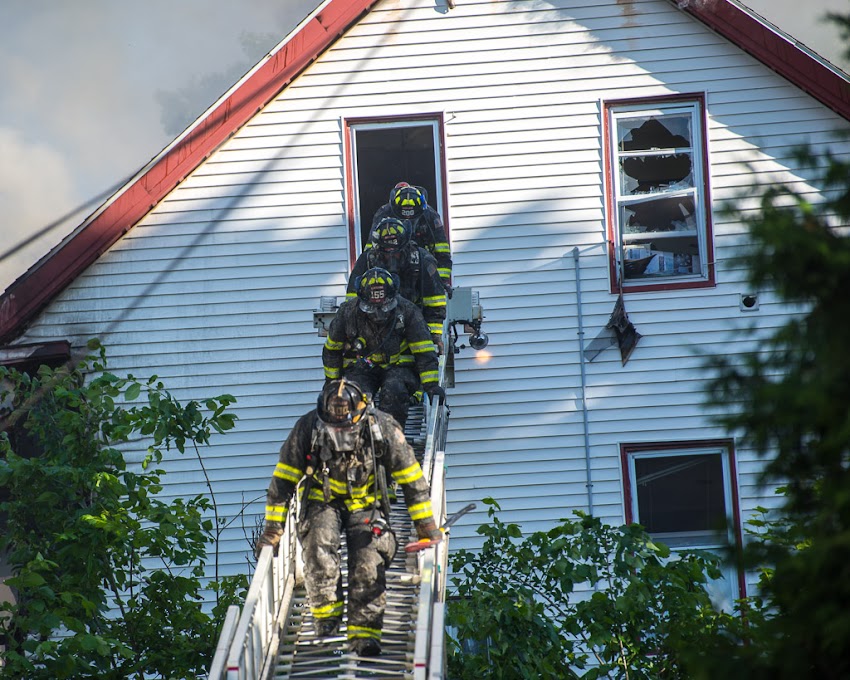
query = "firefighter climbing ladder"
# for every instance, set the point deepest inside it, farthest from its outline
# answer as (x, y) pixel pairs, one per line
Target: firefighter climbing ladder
(272, 636)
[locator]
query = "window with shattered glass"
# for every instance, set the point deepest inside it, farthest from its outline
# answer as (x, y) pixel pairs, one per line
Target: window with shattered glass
(659, 222)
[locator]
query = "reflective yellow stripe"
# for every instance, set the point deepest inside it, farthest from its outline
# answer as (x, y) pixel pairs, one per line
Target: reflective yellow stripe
(436, 328)
(327, 611)
(441, 247)
(422, 346)
(444, 272)
(332, 345)
(287, 472)
(340, 488)
(275, 513)
(363, 632)
(360, 503)
(420, 511)
(331, 373)
(408, 475)
(405, 359)
(434, 301)
(428, 377)
(348, 296)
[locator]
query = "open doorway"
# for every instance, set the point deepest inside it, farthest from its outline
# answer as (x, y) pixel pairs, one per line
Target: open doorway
(383, 152)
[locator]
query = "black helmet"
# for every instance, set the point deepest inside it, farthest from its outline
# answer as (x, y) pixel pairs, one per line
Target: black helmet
(377, 292)
(391, 235)
(342, 403)
(406, 201)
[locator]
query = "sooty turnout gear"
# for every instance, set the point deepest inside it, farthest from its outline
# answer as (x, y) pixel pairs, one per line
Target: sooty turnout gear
(393, 356)
(344, 491)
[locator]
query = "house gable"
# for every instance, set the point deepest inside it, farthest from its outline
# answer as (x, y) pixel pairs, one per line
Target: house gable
(37, 287)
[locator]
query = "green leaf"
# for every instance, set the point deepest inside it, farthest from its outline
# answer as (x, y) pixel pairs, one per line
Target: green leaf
(133, 392)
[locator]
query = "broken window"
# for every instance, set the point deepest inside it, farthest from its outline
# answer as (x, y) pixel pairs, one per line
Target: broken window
(660, 227)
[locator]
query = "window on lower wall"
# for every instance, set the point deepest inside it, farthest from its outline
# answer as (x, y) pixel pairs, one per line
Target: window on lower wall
(659, 217)
(685, 496)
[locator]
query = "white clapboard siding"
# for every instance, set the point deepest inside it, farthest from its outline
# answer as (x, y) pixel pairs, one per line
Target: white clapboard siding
(214, 289)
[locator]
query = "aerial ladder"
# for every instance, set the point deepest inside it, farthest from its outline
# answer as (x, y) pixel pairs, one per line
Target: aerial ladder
(272, 635)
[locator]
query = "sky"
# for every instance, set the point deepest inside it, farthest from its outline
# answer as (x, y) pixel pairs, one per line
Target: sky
(91, 90)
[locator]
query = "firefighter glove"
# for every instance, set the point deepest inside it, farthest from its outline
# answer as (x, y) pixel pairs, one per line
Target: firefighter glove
(438, 341)
(436, 393)
(428, 529)
(268, 538)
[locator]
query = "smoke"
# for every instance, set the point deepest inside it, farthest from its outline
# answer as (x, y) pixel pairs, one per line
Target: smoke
(84, 84)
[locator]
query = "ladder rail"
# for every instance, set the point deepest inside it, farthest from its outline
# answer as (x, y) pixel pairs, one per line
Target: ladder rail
(255, 635)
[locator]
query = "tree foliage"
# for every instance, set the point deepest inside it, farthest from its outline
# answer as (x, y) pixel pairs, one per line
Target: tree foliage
(793, 397)
(582, 600)
(109, 578)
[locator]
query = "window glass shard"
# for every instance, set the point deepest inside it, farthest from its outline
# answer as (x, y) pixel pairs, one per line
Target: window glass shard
(655, 133)
(653, 173)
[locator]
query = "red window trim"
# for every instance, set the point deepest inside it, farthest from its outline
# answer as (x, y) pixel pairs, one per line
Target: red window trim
(727, 444)
(615, 283)
(347, 124)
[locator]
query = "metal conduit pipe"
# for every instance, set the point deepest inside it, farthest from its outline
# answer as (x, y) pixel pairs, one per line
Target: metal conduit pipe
(589, 483)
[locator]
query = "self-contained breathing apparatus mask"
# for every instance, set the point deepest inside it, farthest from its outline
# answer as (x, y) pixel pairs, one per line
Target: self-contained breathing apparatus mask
(341, 408)
(377, 293)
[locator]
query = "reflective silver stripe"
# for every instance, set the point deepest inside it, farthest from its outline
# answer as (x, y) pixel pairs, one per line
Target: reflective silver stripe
(408, 475)
(420, 510)
(275, 513)
(287, 472)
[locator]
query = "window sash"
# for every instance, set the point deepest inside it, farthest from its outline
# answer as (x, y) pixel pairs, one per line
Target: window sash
(694, 537)
(673, 199)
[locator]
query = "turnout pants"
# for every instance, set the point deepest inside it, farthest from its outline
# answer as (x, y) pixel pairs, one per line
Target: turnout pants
(368, 558)
(396, 384)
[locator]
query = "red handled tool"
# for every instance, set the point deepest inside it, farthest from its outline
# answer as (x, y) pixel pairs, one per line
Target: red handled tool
(416, 546)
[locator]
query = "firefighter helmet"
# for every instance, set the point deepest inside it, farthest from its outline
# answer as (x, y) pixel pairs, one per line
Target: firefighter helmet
(377, 292)
(391, 235)
(342, 403)
(406, 201)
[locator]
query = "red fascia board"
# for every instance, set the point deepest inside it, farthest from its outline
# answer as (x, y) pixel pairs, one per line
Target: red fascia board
(27, 296)
(772, 49)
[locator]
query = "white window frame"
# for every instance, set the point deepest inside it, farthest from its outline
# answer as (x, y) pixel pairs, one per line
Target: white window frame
(703, 266)
(353, 126)
(732, 586)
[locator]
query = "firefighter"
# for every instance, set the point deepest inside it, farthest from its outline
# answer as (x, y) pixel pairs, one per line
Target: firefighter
(380, 340)
(339, 455)
(408, 202)
(394, 250)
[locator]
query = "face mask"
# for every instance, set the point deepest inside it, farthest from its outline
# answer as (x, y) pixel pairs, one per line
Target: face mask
(379, 312)
(342, 438)
(391, 260)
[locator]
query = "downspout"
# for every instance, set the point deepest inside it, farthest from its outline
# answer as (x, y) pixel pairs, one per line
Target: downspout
(589, 483)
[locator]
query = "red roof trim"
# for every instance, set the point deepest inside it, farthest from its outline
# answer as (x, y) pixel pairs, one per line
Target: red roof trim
(774, 50)
(24, 298)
